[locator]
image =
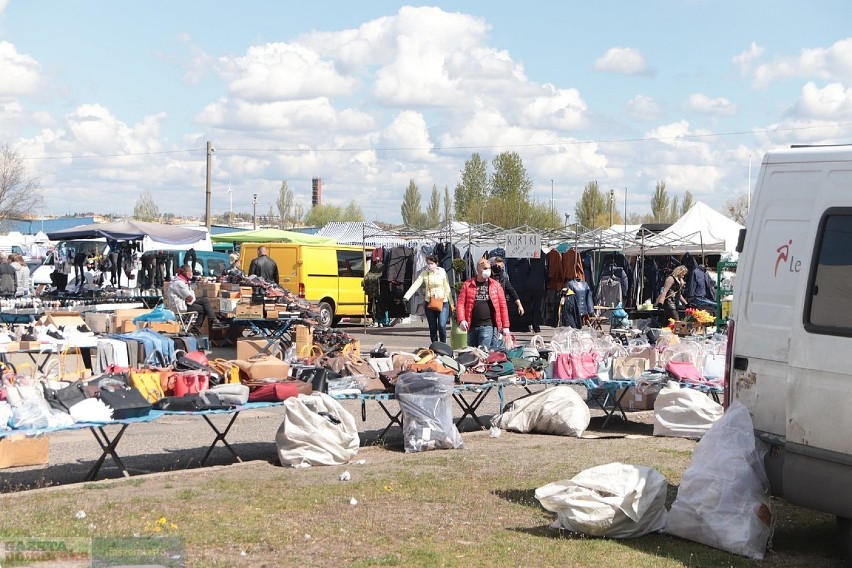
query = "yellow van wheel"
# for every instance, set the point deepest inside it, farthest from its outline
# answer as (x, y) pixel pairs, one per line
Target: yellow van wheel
(326, 314)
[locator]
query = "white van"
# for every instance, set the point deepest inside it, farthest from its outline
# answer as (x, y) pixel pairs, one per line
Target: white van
(790, 343)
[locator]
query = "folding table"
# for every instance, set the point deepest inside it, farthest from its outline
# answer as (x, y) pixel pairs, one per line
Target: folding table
(380, 399)
(713, 391)
(469, 407)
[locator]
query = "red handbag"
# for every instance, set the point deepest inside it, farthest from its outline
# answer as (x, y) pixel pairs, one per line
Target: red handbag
(274, 392)
(190, 382)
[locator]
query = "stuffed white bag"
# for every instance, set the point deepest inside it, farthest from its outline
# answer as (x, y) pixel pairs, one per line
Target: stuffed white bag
(615, 500)
(558, 410)
(723, 499)
(316, 430)
(684, 413)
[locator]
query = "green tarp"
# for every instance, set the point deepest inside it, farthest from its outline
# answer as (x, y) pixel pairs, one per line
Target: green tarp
(272, 235)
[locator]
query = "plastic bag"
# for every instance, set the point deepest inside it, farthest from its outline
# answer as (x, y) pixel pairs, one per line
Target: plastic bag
(427, 412)
(683, 412)
(5, 415)
(723, 499)
(159, 313)
(316, 430)
(615, 500)
(30, 415)
(559, 410)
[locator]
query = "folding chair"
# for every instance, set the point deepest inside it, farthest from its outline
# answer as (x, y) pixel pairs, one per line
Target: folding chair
(186, 321)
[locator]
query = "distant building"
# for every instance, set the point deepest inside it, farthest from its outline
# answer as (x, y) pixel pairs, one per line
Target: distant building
(316, 192)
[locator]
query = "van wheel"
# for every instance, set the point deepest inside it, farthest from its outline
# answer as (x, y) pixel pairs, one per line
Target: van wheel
(844, 534)
(326, 314)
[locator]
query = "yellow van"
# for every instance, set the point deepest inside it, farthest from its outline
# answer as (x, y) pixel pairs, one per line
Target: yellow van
(327, 275)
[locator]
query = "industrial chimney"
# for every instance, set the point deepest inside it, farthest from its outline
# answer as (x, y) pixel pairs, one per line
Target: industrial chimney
(316, 193)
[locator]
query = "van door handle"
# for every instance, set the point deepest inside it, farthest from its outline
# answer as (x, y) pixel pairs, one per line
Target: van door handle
(740, 363)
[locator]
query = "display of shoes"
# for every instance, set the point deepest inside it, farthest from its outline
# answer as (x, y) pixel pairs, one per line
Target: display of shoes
(83, 328)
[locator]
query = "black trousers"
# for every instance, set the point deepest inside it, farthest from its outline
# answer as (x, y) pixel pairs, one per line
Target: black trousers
(203, 308)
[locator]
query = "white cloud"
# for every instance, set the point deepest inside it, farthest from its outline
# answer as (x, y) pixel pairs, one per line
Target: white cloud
(745, 59)
(622, 60)
(643, 108)
(833, 63)
(281, 71)
(409, 133)
(21, 73)
(561, 109)
(701, 103)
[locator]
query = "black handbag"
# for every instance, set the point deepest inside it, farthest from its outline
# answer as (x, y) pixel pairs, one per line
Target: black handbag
(63, 399)
(125, 402)
(193, 403)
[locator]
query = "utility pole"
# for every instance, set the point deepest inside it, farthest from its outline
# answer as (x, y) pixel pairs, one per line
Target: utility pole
(254, 211)
(209, 194)
(611, 205)
(551, 199)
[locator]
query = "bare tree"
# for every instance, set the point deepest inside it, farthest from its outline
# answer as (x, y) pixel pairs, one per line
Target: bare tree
(737, 209)
(146, 208)
(19, 196)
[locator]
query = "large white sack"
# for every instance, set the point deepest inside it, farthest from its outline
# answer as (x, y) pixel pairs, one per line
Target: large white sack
(683, 412)
(615, 500)
(723, 499)
(307, 437)
(558, 410)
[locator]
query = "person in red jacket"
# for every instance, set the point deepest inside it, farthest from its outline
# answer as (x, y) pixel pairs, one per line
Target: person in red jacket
(481, 309)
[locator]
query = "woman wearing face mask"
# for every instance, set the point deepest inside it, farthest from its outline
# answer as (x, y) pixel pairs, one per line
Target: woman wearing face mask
(434, 279)
(498, 273)
(481, 309)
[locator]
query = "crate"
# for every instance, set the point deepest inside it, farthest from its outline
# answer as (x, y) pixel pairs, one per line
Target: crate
(304, 337)
(19, 450)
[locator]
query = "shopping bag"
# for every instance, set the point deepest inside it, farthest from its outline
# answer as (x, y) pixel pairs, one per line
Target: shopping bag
(584, 366)
(627, 368)
(562, 366)
(148, 383)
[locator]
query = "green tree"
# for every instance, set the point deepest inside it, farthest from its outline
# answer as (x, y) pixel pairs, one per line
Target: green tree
(322, 215)
(660, 203)
(674, 210)
(433, 211)
(286, 208)
(412, 215)
(472, 190)
(19, 195)
(688, 202)
(592, 211)
(353, 212)
(448, 204)
(146, 208)
(509, 191)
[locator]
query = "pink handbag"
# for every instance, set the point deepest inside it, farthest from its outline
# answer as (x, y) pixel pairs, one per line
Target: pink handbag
(684, 371)
(584, 366)
(562, 368)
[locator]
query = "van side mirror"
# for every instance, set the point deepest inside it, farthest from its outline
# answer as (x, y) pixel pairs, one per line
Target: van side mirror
(741, 240)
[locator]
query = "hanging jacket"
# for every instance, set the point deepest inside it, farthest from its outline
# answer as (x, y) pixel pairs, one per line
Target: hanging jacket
(585, 300)
(569, 310)
(555, 279)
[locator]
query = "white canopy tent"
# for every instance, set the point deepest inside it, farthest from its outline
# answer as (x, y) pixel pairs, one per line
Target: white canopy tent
(701, 230)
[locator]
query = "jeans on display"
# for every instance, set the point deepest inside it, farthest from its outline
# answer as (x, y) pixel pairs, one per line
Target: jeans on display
(481, 336)
(438, 323)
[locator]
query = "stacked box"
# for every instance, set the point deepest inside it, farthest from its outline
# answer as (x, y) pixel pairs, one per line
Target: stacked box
(18, 450)
(227, 305)
(161, 326)
(209, 290)
(228, 295)
(248, 310)
(304, 337)
(99, 322)
(229, 287)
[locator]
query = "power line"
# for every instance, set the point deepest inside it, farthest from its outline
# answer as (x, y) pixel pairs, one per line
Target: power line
(440, 148)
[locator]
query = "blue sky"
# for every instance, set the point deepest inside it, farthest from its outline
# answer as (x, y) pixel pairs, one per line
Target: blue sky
(108, 99)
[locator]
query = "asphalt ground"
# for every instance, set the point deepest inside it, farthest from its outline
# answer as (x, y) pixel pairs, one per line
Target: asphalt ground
(180, 442)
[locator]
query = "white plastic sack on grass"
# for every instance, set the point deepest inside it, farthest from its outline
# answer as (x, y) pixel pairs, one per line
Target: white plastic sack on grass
(684, 413)
(615, 500)
(316, 430)
(558, 410)
(723, 499)
(426, 401)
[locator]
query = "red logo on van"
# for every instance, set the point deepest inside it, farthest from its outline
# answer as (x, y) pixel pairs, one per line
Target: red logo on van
(783, 254)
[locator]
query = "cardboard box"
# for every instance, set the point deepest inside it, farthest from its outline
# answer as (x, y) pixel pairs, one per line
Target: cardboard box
(127, 326)
(228, 305)
(100, 322)
(304, 337)
(269, 368)
(29, 345)
(123, 315)
(161, 326)
(635, 400)
(209, 290)
(59, 319)
(249, 347)
(10, 347)
(249, 310)
(228, 286)
(228, 295)
(19, 450)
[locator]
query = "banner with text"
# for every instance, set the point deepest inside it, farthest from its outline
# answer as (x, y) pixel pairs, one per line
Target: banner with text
(523, 245)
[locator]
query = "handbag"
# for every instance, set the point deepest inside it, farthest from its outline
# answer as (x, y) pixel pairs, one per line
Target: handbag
(684, 371)
(436, 304)
(562, 367)
(63, 399)
(148, 383)
(190, 382)
(125, 402)
(236, 394)
(584, 365)
(276, 392)
(229, 371)
(208, 400)
(627, 368)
